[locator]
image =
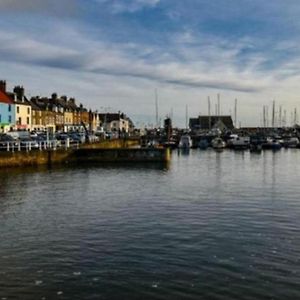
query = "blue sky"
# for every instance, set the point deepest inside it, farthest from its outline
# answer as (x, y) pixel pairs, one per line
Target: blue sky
(113, 54)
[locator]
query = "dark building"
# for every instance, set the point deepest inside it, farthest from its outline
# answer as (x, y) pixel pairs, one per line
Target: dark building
(209, 122)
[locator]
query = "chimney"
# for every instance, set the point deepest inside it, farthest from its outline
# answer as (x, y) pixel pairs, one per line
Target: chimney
(72, 100)
(54, 96)
(3, 86)
(20, 92)
(64, 98)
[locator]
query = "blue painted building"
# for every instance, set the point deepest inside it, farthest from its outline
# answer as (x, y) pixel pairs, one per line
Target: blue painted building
(7, 109)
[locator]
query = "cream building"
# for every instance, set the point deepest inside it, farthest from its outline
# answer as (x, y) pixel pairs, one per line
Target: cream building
(23, 109)
(68, 120)
(114, 122)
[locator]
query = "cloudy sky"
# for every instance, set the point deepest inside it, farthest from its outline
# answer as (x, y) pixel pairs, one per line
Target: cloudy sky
(114, 54)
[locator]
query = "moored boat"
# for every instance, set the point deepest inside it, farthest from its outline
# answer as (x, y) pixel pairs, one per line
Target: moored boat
(218, 143)
(291, 142)
(203, 144)
(185, 142)
(239, 142)
(271, 144)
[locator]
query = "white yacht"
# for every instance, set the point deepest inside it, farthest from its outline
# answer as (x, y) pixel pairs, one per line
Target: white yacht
(185, 142)
(239, 142)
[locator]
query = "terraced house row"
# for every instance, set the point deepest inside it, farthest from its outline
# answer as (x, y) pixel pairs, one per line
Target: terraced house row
(17, 112)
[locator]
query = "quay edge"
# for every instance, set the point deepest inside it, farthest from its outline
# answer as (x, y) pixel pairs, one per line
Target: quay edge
(87, 154)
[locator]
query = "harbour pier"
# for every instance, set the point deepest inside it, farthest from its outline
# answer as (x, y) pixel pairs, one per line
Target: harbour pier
(115, 151)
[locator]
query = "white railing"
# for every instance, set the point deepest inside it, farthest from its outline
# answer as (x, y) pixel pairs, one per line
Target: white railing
(12, 146)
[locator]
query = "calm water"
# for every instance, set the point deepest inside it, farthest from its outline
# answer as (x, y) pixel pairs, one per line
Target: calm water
(211, 226)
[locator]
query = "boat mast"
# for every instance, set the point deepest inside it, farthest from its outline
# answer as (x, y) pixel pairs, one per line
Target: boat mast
(156, 109)
(219, 105)
(280, 116)
(235, 113)
(209, 118)
(273, 114)
(186, 117)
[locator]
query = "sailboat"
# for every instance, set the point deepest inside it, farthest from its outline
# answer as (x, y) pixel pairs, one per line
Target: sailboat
(185, 140)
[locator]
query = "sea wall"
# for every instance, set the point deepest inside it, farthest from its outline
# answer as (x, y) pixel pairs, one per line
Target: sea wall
(122, 155)
(34, 158)
(113, 144)
(90, 153)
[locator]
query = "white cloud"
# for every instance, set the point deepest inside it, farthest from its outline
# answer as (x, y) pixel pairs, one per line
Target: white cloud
(200, 68)
(52, 7)
(187, 69)
(131, 6)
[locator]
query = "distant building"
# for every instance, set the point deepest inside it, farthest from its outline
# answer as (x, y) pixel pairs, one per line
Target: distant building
(94, 121)
(36, 117)
(7, 109)
(84, 116)
(48, 113)
(68, 120)
(115, 122)
(23, 109)
(59, 113)
(210, 122)
(54, 114)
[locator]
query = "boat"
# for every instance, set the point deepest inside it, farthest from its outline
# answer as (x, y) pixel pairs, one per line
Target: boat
(185, 142)
(239, 142)
(218, 143)
(170, 144)
(271, 144)
(203, 144)
(291, 142)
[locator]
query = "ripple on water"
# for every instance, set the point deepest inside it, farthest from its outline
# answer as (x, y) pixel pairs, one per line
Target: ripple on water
(212, 226)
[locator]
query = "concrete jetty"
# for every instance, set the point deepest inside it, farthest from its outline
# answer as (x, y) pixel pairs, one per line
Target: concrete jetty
(113, 152)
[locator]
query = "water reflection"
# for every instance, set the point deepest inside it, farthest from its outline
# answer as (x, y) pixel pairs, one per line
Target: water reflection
(183, 151)
(212, 226)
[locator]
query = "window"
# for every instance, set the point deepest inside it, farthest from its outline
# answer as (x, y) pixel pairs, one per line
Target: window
(9, 107)
(18, 109)
(27, 120)
(28, 110)
(9, 119)
(20, 121)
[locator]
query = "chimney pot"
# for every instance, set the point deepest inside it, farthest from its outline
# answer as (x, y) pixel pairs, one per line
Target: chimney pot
(3, 86)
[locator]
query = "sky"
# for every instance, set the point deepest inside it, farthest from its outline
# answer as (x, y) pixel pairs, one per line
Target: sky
(113, 55)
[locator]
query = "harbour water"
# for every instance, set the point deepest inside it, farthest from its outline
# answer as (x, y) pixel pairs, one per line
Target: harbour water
(213, 225)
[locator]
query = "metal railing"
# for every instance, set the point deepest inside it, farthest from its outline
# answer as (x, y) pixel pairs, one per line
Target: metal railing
(12, 146)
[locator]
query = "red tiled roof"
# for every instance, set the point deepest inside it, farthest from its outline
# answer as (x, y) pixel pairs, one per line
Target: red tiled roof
(5, 99)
